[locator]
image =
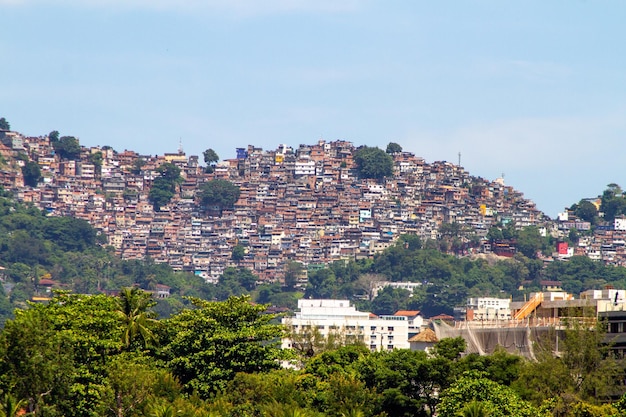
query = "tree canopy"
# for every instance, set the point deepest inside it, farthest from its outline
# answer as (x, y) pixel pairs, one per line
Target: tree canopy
(4, 124)
(373, 162)
(67, 147)
(31, 173)
(393, 147)
(164, 186)
(220, 193)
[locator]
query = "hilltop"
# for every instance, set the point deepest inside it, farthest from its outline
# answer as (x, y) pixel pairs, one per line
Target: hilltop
(312, 204)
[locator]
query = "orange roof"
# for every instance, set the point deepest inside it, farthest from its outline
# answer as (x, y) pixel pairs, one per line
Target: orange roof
(407, 313)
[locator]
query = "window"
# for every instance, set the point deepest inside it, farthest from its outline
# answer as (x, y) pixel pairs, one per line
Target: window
(373, 346)
(373, 337)
(373, 328)
(390, 329)
(390, 337)
(389, 347)
(320, 327)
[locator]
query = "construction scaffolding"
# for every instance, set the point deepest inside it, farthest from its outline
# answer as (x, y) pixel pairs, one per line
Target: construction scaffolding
(519, 337)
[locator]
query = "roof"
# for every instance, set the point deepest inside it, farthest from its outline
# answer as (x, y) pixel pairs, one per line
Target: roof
(442, 317)
(427, 335)
(407, 313)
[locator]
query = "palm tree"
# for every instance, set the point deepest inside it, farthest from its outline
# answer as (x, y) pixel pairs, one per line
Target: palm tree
(11, 407)
(474, 409)
(133, 305)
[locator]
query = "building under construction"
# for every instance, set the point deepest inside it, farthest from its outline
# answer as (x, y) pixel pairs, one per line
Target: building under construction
(520, 326)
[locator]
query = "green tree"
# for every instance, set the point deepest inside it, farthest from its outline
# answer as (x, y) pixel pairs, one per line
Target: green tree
(293, 271)
(96, 159)
(529, 242)
(160, 193)
(587, 211)
(238, 253)
(210, 158)
(4, 124)
(133, 310)
(393, 147)
(53, 136)
(497, 400)
(55, 355)
(138, 165)
(372, 162)
(170, 172)
(11, 406)
(132, 382)
(31, 173)
(67, 147)
(164, 186)
(207, 346)
(219, 193)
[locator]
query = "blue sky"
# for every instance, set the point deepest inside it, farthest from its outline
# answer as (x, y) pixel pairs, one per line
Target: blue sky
(535, 90)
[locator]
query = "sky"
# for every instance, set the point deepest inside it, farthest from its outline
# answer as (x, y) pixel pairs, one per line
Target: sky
(533, 90)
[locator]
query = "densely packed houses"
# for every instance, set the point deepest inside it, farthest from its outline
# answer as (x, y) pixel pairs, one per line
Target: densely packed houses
(301, 204)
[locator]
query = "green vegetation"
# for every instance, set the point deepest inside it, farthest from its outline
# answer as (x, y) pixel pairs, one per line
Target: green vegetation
(373, 162)
(67, 147)
(210, 158)
(4, 124)
(219, 193)
(31, 173)
(393, 147)
(82, 355)
(164, 186)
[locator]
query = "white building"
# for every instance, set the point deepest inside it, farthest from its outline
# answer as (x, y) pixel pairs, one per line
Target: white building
(409, 286)
(340, 317)
(488, 308)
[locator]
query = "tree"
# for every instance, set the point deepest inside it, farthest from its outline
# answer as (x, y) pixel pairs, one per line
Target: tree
(373, 162)
(219, 193)
(67, 147)
(587, 211)
(207, 346)
(53, 136)
(393, 147)
(210, 158)
(164, 186)
(138, 165)
(170, 172)
(55, 354)
(31, 173)
(497, 400)
(293, 271)
(160, 193)
(238, 253)
(96, 159)
(4, 124)
(138, 321)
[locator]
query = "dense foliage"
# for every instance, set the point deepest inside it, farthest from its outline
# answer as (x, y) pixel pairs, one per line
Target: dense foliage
(77, 355)
(219, 193)
(164, 186)
(373, 162)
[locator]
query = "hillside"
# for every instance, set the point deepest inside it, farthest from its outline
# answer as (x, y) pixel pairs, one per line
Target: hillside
(310, 205)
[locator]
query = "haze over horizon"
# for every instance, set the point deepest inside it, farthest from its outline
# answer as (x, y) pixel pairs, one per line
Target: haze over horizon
(531, 90)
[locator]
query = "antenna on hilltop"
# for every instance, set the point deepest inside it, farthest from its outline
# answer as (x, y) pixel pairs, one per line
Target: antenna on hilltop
(459, 158)
(180, 146)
